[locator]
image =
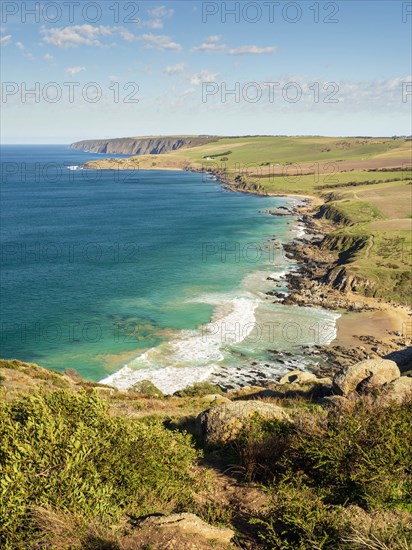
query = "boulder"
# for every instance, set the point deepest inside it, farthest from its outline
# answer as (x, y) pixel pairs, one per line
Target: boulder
(399, 389)
(215, 398)
(222, 423)
(189, 524)
(365, 376)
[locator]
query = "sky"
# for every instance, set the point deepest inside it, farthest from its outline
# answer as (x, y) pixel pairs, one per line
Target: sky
(73, 70)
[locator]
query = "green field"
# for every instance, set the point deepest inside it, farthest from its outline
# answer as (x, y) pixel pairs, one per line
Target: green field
(274, 150)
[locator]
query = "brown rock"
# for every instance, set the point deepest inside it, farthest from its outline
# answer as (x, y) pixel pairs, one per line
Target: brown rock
(215, 398)
(399, 389)
(190, 524)
(364, 376)
(222, 423)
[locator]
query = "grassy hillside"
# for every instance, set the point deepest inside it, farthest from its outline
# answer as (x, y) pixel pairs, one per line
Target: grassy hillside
(83, 464)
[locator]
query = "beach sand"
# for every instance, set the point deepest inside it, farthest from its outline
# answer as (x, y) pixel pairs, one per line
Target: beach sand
(382, 324)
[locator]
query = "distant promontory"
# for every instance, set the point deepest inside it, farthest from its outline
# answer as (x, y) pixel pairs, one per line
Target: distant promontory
(150, 145)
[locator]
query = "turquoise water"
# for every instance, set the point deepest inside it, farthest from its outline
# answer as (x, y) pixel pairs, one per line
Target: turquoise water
(162, 271)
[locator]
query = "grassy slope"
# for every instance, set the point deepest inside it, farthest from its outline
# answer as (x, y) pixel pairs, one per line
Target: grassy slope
(78, 475)
(365, 183)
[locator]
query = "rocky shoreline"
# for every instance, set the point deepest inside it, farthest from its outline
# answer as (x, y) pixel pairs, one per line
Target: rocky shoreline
(311, 285)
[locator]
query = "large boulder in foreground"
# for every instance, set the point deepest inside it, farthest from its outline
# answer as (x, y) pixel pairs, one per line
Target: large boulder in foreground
(222, 424)
(184, 530)
(364, 376)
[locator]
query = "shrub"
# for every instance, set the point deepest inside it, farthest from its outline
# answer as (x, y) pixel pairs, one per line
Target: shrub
(261, 444)
(199, 390)
(147, 389)
(355, 454)
(11, 364)
(298, 518)
(62, 451)
(359, 453)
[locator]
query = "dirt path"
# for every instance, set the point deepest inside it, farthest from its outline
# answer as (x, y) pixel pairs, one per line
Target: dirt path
(232, 497)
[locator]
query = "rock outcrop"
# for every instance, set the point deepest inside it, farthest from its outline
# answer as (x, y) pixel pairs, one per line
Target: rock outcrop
(222, 424)
(399, 389)
(140, 145)
(364, 376)
(184, 530)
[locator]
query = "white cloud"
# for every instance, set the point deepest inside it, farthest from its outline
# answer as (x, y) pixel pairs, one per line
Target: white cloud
(161, 12)
(174, 69)
(157, 17)
(126, 35)
(297, 93)
(188, 92)
(82, 35)
(155, 24)
(71, 71)
(213, 44)
(203, 76)
(19, 46)
(160, 42)
(5, 40)
(254, 50)
(210, 45)
(48, 57)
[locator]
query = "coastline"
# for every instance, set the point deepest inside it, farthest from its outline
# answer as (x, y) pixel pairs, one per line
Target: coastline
(367, 327)
(360, 316)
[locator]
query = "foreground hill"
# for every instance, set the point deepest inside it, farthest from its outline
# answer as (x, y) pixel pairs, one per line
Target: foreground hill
(306, 463)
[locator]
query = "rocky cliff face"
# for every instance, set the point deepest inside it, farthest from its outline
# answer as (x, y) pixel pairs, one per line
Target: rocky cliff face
(140, 146)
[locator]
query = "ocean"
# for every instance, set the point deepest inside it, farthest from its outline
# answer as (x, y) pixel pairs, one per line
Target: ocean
(134, 275)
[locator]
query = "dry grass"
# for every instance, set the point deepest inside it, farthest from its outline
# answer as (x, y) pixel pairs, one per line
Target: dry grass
(393, 202)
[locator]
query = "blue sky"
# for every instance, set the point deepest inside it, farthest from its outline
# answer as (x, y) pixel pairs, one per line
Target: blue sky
(331, 68)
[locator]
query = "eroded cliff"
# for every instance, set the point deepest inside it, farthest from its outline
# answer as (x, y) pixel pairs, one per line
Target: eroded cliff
(141, 145)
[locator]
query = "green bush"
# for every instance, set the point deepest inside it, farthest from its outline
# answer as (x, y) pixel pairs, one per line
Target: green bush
(299, 519)
(261, 445)
(63, 451)
(147, 389)
(199, 390)
(358, 454)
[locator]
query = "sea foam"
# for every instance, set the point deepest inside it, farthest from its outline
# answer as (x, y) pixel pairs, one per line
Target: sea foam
(195, 354)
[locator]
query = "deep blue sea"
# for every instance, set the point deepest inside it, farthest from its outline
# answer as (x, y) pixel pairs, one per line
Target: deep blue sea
(162, 271)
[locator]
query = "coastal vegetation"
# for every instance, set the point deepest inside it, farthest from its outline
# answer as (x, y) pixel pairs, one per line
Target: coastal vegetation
(83, 465)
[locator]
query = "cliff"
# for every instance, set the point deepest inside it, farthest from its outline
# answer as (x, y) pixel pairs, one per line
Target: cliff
(141, 145)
